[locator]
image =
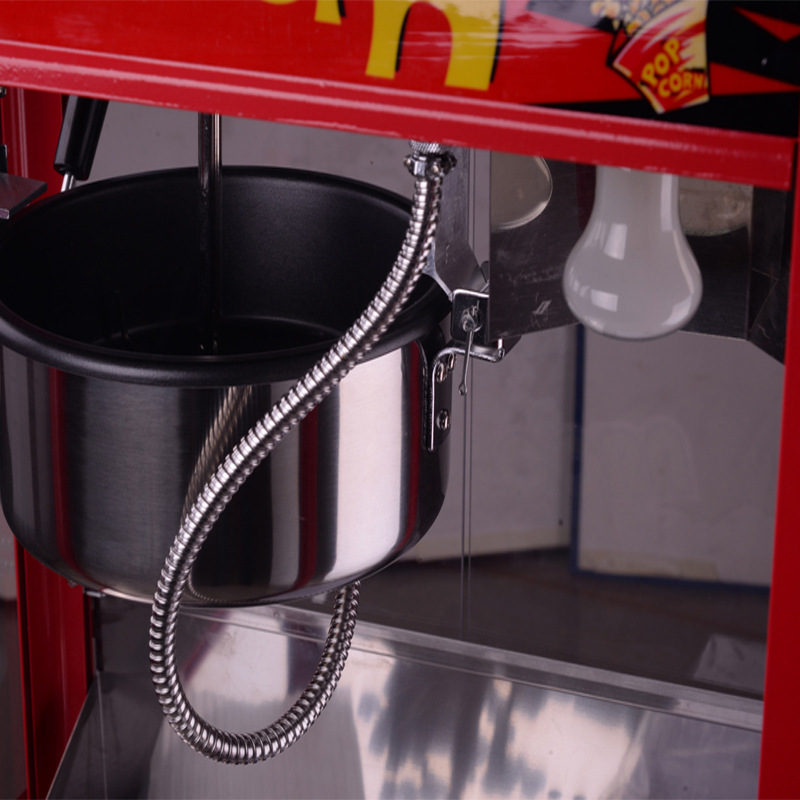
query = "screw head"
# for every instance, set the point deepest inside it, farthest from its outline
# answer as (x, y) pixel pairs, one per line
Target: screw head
(440, 372)
(471, 319)
(443, 420)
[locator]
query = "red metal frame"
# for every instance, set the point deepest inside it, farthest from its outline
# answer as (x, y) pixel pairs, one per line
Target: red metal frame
(53, 618)
(758, 159)
(779, 774)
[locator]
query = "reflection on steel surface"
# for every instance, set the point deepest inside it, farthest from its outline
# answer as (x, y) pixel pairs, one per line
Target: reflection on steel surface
(415, 716)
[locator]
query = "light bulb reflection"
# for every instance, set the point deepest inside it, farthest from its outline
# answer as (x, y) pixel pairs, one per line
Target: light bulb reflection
(614, 245)
(604, 300)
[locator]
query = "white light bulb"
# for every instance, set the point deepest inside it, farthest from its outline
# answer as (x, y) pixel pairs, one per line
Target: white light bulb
(632, 274)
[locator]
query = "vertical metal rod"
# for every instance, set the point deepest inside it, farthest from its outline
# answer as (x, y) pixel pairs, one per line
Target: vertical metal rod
(102, 717)
(466, 515)
(478, 226)
(210, 268)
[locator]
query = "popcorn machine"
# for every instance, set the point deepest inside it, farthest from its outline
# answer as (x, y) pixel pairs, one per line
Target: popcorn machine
(644, 92)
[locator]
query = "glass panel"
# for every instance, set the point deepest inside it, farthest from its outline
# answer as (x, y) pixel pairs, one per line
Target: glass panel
(610, 504)
(622, 493)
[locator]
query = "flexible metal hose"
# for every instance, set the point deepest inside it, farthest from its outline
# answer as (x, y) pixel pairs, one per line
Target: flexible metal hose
(429, 164)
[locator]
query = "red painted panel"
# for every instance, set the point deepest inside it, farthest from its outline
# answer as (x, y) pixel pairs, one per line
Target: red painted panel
(474, 74)
(483, 49)
(539, 58)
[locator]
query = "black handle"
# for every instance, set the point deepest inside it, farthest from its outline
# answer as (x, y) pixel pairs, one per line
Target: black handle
(80, 132)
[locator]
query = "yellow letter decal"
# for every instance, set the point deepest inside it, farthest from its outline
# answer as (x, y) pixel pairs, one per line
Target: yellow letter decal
(328, 11)
(325, 10)
(475, 28)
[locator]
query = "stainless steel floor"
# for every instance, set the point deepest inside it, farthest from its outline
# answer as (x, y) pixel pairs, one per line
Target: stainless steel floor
(415, 716)
(560, 686)
(699, 635)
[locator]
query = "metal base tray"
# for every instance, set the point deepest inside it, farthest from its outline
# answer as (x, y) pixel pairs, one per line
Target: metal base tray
(415, 716)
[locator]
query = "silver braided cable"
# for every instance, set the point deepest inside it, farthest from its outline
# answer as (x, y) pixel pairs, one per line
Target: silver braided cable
(429, 167)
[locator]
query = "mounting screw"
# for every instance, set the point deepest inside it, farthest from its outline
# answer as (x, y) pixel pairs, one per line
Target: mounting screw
(440, 372)
(471, 319)
(443, 420)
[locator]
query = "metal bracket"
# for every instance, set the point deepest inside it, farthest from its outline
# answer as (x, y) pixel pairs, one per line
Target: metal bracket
(468, 329)
(16, 193)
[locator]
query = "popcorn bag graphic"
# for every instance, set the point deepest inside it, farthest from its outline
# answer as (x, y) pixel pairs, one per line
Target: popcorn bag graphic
(660, 47)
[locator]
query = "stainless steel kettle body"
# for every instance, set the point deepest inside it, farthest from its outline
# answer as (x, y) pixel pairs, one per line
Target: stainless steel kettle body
(113, 416)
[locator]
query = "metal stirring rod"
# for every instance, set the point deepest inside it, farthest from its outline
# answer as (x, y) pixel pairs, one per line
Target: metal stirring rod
(210, 267)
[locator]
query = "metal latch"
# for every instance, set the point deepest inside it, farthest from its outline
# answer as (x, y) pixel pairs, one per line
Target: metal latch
(469, 334)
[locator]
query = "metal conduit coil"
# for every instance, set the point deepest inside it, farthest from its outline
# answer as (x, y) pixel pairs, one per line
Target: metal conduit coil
(429, 163)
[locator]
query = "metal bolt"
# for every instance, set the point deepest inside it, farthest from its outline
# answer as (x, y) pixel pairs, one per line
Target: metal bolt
(451, 362)
(471, 321)
(440, 372)
(443, 420)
